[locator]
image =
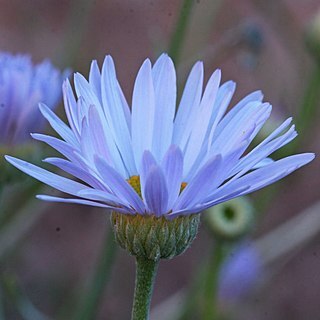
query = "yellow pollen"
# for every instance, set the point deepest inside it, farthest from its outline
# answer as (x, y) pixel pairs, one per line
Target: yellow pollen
(134, 182)
(183, 185)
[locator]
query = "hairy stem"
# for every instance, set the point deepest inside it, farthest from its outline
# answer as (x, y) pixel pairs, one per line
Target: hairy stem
(145, 275)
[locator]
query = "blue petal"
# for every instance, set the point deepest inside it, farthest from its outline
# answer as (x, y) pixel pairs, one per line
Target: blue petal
(256, 96)
(188, 106)
(95, 79)
(106, 197)
(263, 176)
(76, 171)
(200, 207)
(201, 121)
(143, 109)
(259, 153)
(61, 146)
(79, 201)
(59, 126)
(103, 143)
(164, 81)
(119, 186)
(242, 126)
(263, 163)
(172, 166)
(70, 106)
(84, 90)
(114, 111)
(156, 192)
(198, 186)
(147, 162)
(49, 178)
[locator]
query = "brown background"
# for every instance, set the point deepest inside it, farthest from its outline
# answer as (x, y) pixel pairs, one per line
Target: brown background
(56, 256)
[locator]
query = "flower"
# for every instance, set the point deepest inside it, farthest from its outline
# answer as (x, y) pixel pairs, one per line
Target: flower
(151, 160)
(22, 86)
(241, 270)
(231, 220)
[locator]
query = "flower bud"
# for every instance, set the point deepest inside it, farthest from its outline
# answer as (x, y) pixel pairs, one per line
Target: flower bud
(230, 220)
(154, 238)
(240, 272)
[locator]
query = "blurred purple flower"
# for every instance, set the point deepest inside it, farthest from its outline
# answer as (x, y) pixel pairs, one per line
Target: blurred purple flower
(240, 272)
(151, 161)
(22, 86)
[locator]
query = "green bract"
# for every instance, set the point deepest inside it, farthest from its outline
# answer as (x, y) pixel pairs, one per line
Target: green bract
(152, 237)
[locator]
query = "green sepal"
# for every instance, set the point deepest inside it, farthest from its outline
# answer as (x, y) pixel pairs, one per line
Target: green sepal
(154, 238)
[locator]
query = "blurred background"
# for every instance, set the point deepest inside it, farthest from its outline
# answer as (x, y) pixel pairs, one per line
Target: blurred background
(48, 257)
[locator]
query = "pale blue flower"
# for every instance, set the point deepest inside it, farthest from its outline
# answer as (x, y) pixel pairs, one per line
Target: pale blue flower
(240, 272)
(152, 160)
(22, 86)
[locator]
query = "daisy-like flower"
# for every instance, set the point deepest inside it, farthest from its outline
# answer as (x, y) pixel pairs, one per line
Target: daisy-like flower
(152, 160)
(22, 86)
(155, 168)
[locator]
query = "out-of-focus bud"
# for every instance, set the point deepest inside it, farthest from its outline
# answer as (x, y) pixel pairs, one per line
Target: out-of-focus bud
(230, 220)
(240, 272)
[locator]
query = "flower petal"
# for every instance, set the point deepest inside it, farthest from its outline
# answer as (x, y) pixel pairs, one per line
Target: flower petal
(78, 201)
(201, 121)
(95, 79)
(47, 177)
(61, 146)
(244, 125)
(194, 191)
(75, 171)
(84, 90)
(115, 115)
(164, 82)
(258, 154)
(118, 185)
(172, 166)
(156, 192)
(143, 110)
(58, 125)
(188, 106)
(147, 162)
(264, 176)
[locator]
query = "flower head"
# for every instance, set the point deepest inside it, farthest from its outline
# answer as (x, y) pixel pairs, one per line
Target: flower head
(22, 86)
(153, 160)
(240, 272)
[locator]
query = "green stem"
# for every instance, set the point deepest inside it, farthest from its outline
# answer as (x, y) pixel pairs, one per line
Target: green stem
(180, 30)
(192, 299)
(210, 311)
(145, 275)
(308, 107)
(76, 27)
(92, 297)
(2, 313)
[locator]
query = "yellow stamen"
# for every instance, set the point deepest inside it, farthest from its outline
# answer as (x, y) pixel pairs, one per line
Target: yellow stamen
(134, 182)
(183, 185)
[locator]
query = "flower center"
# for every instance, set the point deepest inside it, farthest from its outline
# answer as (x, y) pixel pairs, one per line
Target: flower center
(134, 182)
